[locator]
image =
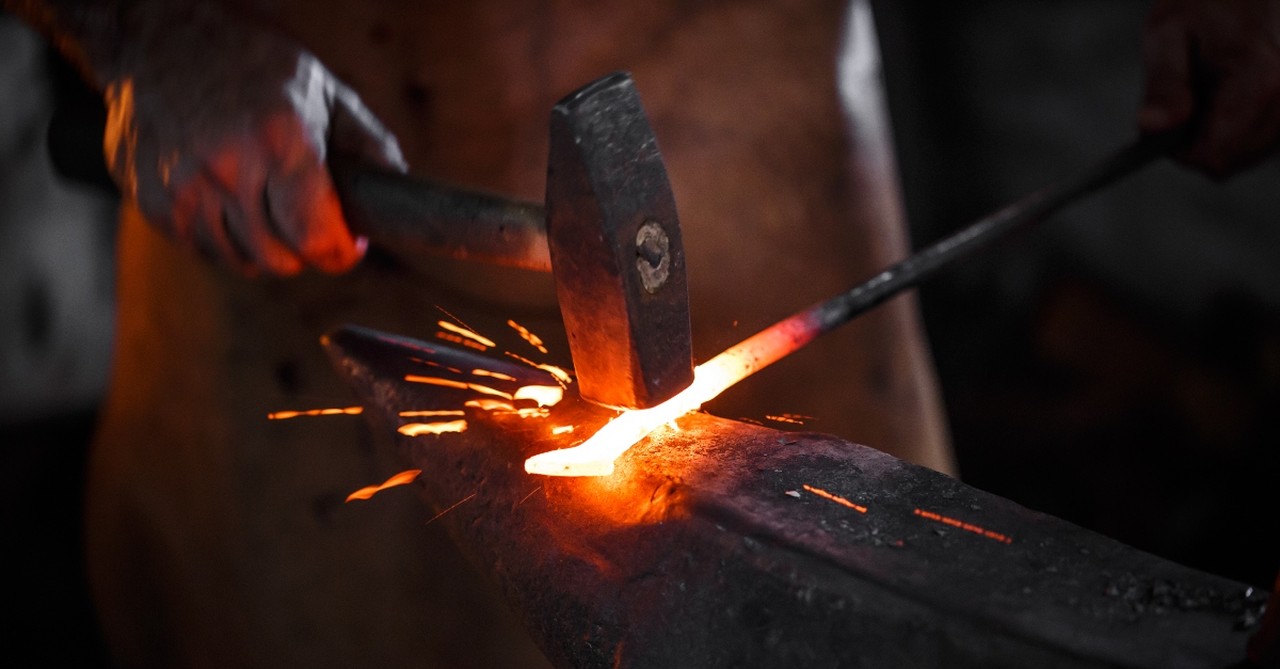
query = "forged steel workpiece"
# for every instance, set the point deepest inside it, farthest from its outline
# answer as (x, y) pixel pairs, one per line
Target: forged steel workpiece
(616, 249)
(726, 544)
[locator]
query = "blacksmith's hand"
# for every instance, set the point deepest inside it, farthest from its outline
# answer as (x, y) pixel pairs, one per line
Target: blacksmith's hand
(1213, 69)
(219, 129)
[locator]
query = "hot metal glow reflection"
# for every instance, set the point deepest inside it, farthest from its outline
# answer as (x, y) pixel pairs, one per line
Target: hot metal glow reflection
(595, 456)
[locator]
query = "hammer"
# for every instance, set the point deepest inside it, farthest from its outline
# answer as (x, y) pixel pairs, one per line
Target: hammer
(609, 234)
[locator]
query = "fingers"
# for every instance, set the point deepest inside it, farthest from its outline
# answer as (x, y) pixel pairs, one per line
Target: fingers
(1213, 68)
(240, 173)
(302, 204)
(305, 209)
(1168, 99)
(355, 132)
(255, 204)
(1240, 126)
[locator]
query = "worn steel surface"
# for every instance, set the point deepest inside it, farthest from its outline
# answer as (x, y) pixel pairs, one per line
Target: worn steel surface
(616, 249)
(726, 544)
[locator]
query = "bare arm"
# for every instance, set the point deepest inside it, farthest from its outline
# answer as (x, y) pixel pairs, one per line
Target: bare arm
(219, 128)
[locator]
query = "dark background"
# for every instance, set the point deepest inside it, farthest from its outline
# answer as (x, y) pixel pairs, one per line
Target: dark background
(1118, 367)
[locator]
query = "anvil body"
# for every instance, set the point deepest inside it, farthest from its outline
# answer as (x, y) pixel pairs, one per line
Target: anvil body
(725, 544)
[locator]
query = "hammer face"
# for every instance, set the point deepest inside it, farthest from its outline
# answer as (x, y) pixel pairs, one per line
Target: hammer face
(616, 251)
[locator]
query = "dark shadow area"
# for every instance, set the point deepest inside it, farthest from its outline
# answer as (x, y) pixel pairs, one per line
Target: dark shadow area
(50, 620)
(1117, 367)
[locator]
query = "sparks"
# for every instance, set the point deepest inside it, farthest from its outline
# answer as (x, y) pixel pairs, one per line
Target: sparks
(418, 414)
(461, 385)
(433, 363)
(439, 427)
(456, 504)
(562, 429)
(545, 396)
(493, 375)
(460, 341)
(533, 339)
(967, 527)
(527, 412)
(562, 377)
(489, 405)
(596, 455)
(835, 498)
(466, 332)
(343, 411)
(402, 478)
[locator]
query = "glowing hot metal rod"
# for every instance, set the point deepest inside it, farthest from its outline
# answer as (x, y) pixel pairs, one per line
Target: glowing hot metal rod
(595, 456)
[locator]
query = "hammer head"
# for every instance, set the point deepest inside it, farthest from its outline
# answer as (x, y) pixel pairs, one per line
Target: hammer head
(616, 252)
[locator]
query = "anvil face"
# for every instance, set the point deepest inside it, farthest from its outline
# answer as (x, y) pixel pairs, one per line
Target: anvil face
(729, 544)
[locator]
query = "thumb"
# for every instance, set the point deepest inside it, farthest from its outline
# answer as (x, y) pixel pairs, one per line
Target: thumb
(354, 132)
(1168, 99)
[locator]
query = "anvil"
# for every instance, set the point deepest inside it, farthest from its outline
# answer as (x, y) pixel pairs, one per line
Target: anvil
(725, 544)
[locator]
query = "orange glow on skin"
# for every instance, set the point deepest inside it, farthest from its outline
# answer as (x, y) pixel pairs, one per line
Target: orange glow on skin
(836, 498)
(595, 456)
(464, 332)
(439, 427)
(967, 527)
(402, 478)
(344, 411)
(533, 339)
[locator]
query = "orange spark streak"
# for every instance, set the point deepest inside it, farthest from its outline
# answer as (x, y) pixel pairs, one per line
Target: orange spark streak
(595, 456)
(285, 415)
(466, 332)
(495, 375)
(562, 429)
(533, 339)
(402, 478)
(433, 363)
(561, 376)
(526, 497)
(439, 427)
(545, 396)
(968, 527)
(490, 405)
(787, 418)
(462, 385)
(835, 498)
(527, 412)
(455, 505)
(461, 341)
(449, 412)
